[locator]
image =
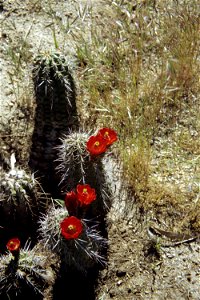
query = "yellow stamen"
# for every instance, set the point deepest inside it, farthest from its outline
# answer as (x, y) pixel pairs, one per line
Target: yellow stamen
(97, 143)
(71, 228)
(84, 190)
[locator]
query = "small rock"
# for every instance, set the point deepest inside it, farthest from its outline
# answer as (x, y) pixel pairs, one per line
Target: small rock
(120, 273)
(119, 282)
(112, 293)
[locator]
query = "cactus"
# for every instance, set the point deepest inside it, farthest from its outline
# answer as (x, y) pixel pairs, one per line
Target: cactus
(65, 160)
(30, 272)
(19, 205)
(79, 253)
(72, 159)
(55, 115)
(76, 166)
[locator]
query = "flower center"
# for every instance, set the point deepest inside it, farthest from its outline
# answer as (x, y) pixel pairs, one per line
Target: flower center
(97, 143)
(84, 190)
(106, 134)
(71, 228)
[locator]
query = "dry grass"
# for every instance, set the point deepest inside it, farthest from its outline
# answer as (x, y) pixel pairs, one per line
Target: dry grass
(139, 74)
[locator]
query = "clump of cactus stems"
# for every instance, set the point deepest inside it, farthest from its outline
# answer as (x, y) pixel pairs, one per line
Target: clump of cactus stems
(78, 244)
(79, 163)
(67, 162)
(64, 230)
(19, 203)
(27, 270)
(55, 115)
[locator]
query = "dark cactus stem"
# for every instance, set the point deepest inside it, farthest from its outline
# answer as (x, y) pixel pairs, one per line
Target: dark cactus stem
(95, 177)
(19, 205)
(56, 114)
(31, 273)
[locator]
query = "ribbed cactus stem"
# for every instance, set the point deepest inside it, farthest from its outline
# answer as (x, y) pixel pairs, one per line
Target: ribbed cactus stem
(34, 273)
(55, 114)
(19, 205)
(80, 253)
(72, 159)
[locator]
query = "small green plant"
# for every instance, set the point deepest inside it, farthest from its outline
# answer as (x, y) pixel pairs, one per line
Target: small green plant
(18, 50)
(65, 230)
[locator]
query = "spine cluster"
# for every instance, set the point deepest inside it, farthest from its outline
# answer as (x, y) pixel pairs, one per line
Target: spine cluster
(65, 230)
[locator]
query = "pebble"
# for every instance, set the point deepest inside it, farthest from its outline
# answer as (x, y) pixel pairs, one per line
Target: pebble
(120, 273)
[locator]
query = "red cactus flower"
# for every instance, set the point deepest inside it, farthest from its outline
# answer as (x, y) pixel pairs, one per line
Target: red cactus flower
(109, 135)
(71, 201)
(96, 145)
(85, 194)
(13, 245)
(71, 228)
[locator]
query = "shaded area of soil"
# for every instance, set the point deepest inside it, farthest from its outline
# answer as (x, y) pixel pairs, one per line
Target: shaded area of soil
(26, 292)
(77, 285)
